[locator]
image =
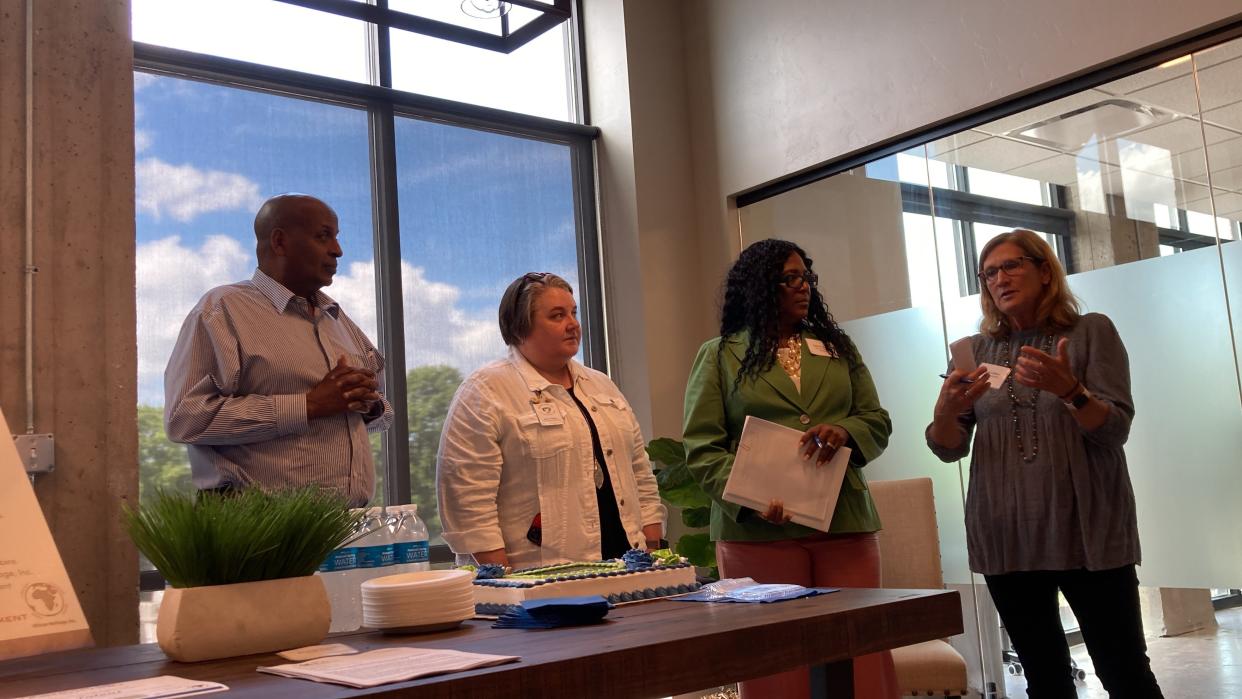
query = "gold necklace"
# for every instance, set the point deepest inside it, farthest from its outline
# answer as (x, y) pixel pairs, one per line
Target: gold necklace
(791, 359)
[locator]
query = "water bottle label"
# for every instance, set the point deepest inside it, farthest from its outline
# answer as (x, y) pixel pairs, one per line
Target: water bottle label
(375, 556)
(340, 559)
(411, 552)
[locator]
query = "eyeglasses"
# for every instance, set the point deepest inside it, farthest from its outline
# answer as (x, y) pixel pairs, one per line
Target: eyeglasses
(1009, 267)
(531, 278)
(794, 280)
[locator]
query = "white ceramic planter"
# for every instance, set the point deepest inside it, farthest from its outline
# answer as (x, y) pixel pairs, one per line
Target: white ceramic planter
(223, 621)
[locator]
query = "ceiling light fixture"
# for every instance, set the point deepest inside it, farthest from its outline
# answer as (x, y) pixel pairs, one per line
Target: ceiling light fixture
(485, 9)
(1175, 61)
(1100, 122)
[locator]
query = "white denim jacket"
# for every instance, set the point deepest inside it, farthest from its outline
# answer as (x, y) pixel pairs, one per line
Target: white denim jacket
(500, 464)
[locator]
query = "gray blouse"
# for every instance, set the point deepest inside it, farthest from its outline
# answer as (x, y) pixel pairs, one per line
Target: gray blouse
(1072, 505)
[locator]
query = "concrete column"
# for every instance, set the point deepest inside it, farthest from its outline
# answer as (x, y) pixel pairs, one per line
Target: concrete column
(1109, 239)
(85, 360)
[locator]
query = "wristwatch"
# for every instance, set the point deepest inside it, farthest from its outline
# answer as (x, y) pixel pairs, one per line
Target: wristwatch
(1079, 398)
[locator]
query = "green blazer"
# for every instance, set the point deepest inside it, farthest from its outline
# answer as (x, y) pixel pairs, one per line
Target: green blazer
(831, 394)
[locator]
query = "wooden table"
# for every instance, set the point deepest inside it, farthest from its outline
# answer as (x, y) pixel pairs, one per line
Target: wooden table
(653, 649)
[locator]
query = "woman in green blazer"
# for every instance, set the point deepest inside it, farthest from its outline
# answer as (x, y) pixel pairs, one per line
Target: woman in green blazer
(781, 357)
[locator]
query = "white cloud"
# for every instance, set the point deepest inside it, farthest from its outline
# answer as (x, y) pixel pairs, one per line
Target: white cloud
(171, 278)
(184, 191)
(437, 331)
(142, 140)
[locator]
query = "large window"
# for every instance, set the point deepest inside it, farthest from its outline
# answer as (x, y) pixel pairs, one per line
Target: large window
(478, 210)
(481, 52)
(207, 156)
(441, 204)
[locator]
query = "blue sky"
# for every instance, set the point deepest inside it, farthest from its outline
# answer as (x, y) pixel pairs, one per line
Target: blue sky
(477, 210)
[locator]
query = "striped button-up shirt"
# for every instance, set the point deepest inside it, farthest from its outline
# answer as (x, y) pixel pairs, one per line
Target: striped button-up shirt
(235, 392)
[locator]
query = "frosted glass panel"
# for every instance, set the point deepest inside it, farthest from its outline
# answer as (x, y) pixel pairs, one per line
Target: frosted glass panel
(1186, 439)
(905, 350)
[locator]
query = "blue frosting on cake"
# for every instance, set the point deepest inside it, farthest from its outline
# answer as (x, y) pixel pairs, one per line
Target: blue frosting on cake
(637, 560)
(489, 571)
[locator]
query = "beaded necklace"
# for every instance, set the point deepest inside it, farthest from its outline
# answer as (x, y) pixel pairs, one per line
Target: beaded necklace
(791, 359)
(1015, 402)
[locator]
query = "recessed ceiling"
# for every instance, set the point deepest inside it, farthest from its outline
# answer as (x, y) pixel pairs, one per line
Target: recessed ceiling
(1155, 109)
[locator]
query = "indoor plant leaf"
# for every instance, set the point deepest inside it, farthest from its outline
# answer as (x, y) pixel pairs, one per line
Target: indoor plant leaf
(696, 517)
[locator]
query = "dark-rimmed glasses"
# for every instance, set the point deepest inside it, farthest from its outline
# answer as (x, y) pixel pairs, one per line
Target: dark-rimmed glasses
(530, 278)
(1009, 267)
(794, 280)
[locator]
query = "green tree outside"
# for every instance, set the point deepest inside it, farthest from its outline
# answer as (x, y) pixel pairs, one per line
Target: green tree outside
(429, 390)
(161, 463)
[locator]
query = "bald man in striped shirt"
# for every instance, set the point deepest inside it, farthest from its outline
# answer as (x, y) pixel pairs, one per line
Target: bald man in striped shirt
(270, 384)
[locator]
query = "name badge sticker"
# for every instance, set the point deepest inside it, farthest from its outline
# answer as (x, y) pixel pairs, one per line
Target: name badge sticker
(996, 374)
(819, 349)
(548, 413)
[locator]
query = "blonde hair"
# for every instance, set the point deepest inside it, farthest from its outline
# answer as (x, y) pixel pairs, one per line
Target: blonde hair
(1058, 309)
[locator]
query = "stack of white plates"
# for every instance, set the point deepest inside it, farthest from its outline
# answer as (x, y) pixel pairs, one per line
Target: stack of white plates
(428, 600)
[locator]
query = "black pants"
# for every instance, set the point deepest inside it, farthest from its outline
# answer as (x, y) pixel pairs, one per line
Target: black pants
(1107, 606)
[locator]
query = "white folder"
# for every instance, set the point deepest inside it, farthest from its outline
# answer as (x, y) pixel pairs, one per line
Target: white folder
(769, 465)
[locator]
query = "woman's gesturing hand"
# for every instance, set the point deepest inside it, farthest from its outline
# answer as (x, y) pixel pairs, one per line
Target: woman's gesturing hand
(825, 439)
(1046, 372)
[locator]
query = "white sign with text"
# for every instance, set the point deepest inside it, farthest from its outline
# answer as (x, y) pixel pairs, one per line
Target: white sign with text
(39, 610)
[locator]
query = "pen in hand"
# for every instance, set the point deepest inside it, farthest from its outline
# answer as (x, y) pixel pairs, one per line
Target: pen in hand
(962, 380)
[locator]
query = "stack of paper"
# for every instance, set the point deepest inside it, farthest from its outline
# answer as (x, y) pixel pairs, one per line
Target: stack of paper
(769, 466)
(386, 665)
(555, 611)
(163, 687)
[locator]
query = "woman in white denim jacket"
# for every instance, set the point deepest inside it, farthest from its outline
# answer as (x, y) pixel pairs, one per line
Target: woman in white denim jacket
(541, 460)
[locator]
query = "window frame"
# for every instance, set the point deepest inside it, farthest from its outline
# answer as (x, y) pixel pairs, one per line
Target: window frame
(968, 209)
(506, 42)
(384, 106)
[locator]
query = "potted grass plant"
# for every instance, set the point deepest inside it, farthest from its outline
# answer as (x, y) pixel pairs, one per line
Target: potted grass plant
(241, 568)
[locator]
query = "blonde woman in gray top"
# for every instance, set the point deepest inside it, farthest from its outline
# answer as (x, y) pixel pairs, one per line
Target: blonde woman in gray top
(1050, 506)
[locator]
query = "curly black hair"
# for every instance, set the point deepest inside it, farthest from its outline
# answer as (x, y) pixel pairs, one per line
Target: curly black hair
(752, 303)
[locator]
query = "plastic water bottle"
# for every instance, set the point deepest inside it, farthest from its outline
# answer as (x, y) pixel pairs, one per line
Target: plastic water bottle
(338, 573)
(375, 549)
(410, 544)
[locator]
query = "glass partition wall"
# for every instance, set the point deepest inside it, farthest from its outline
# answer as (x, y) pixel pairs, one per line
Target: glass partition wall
(1137, 185)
